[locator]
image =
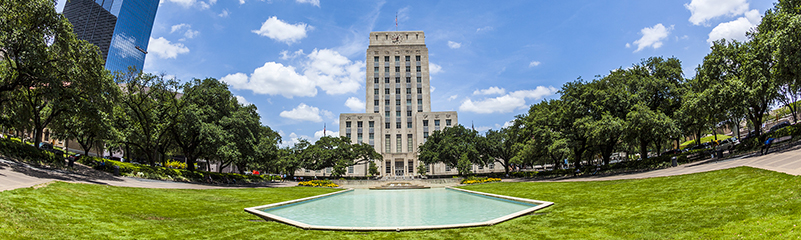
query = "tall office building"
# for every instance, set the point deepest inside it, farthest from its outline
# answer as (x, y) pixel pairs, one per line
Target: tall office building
(120, 28)
(398, 105)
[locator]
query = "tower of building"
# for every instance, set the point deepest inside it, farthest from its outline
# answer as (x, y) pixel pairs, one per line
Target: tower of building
(121, 29)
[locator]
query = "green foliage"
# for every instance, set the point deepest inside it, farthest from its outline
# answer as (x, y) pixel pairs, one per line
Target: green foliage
(454, 146)
(373, 169)
(13, 148)
(318, 183)
(166, 173)
(703, 140)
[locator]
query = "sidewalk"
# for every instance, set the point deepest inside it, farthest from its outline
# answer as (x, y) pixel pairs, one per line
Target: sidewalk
(15, 175)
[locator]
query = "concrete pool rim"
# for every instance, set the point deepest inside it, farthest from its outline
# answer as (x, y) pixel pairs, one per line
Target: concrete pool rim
(271, 217)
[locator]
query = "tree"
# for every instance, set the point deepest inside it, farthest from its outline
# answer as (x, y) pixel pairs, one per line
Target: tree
(450, 145)
(540, 138)
(366, 154)
(779, 29)
(500, 145)
(333, 152)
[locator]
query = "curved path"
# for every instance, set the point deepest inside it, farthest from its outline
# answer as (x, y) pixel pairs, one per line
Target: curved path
(15, 175)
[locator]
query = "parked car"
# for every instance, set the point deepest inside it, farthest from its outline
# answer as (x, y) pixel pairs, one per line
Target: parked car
(727, 144)
(778, 126)
(671, 152)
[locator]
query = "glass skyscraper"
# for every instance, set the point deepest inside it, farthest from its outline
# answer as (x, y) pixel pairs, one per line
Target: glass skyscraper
(120, 28)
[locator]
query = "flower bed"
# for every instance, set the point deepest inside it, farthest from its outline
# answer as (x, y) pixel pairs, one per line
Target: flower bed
(480, 180)
(318, 183)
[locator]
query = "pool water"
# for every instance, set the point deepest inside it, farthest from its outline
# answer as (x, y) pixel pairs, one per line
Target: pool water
(399, 208)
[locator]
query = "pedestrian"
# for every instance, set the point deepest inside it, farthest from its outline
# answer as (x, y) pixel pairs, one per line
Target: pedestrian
(766, 147)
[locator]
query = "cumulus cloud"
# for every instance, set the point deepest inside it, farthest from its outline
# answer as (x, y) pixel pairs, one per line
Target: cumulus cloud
(490, 91)
(305, 112)
(273, 79)
(487, 28)
(281, 31)
(285, 55)
(506, 103)
(452, 97)
(189, 33)
(533, 64)
(735, 29)
(454, 45)
(434, 68)
(164, 49)
(312, 2)
(325, 68)
(704, 10)
(242, 100)
(224, 13)
(178, 27)
(355, 104)
(652, 36)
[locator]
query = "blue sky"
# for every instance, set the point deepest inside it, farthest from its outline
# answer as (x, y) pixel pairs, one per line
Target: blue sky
(301, 62)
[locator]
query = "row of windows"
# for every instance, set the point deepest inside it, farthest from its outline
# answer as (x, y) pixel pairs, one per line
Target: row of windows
(397, 69)
(388, 125)
(398, 142)
(397, 58)
(398, 91)
(397, 80)
(398, 102)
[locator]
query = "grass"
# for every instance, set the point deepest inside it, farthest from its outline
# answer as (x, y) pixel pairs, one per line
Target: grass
(703, 140)
(733, 203)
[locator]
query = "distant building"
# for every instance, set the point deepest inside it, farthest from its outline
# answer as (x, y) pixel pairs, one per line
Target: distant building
(121, 29)
(398, 104)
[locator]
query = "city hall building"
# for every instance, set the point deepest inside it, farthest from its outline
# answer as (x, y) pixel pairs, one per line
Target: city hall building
(398, 116)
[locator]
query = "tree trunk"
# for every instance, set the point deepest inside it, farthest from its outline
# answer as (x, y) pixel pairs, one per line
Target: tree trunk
(643, 149)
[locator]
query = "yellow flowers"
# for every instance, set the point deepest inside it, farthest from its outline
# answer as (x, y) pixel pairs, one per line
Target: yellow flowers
(318, 183)
(480, 180)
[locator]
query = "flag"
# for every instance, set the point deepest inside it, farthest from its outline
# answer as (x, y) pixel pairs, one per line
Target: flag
(323, 129)
(396, 21)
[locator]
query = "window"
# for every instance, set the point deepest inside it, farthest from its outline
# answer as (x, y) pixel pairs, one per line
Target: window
(417, 58)
(425, 123)
(375, 102)
(408, 124)
(410, 167)
(375, 80)
(428, 169)
(359, 138)
(492, 165)
(409, 145)
(408, 69)
(386, 101)
(408, 91)
(360, 124)
(387, 143)
(447, 168)
(419, 110)
(386, 80)
(386, 58)
(307, 170)
(419, 101)
(425, 134)
(408, 80)
(397, 69)
(386, 90)
(347, 135)
(350, 169)
(371, 124)
(328, 170)
(389, 167)
(408, 58)
(397, 58)
(376, 92)
(419, 91)
(398, 125)
(398, 142)
(386, 113)
(436, 123)
(386, 125)
(375, 59)
(397, 80)
(408, 113)
(397, 91)
(347, 124)
(447, 122)
(418, 68)
(386, 69)
(397, 113)
(372, 136)
(375, 69)
(419, 79)
(408, 102)
(397, 102)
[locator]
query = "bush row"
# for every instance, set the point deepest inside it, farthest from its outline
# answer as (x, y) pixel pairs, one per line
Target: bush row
(13, 148)
(165, 173)
(475, 180)
(318, 183)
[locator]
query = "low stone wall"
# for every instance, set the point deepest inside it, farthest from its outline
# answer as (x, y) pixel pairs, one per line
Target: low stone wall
(437, 182)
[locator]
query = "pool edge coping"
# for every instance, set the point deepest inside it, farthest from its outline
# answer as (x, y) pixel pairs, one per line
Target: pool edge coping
(272, 217)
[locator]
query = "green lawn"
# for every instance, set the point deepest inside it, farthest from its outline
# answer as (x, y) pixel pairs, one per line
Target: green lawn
(734, 203)
(703, 140)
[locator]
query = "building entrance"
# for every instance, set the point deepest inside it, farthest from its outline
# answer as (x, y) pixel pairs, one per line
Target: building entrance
(399, 167)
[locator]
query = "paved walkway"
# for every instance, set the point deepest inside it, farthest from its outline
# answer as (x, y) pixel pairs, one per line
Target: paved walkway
(785, 161)
(15, 175)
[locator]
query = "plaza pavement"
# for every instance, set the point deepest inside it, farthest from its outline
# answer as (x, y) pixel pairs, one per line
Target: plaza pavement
(15, 175)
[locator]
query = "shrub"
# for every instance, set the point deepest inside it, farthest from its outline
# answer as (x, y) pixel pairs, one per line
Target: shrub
(474, 180)
(166, 173)
(318, 183)
(24, 152)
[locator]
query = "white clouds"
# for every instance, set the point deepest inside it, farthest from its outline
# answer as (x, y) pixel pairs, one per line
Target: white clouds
(199, 4)
(735, 29)
(285, 55)
(355, 104)
(224, 13)
(506, 103)
(241, 2)
(178, 27)
(325, 68)
(242, 100)
(312, 2)
(704, 10)
(434, 68)
(432, 88)
(273, 79)
(483, 29)
(533, 64)
(652, 37)
(164, 49)
(189, 32)
(490, 91)
(305, 112)
(452, 97)
(403, 14)
(281, 31)
(319, 134)
(454, 45)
